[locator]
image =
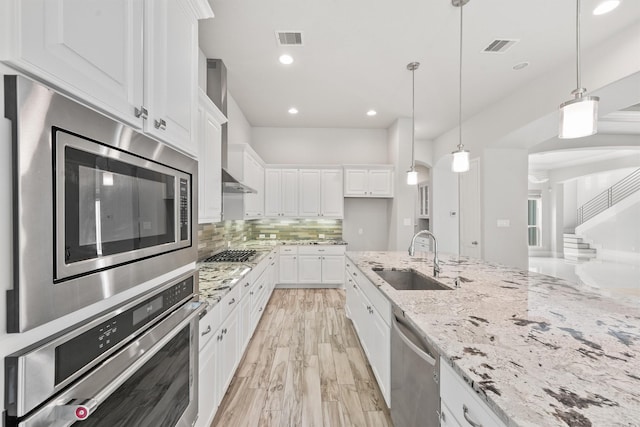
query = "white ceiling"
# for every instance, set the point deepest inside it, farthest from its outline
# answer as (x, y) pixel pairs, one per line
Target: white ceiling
(566, 158)
(355, 55)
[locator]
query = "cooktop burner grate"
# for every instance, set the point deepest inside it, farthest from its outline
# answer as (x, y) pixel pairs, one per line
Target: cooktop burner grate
(232, 255)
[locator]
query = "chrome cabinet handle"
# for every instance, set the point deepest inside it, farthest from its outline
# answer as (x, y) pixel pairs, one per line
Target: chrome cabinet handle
(474, 243)
(233, 300)
(246, 285)
(319, 257)
(160, 124)
(224, 331)
(208, 330)
(260, 309)
(251, 293)
(141, 112)
(465, 412)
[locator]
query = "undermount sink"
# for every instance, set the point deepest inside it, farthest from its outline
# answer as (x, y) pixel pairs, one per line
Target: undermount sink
(410, 280)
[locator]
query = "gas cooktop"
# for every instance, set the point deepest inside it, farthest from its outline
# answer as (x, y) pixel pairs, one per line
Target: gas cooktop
(233, 255)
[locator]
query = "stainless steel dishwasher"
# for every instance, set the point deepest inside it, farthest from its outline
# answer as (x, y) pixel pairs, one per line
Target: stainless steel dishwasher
(415, 373)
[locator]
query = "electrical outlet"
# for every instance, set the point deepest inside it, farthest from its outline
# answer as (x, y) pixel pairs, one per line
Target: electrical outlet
(272, 236)
(261, 236)
(244, 238)
(320, 236)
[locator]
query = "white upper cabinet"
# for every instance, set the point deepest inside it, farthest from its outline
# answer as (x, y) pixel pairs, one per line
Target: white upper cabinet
(209, 127)
(245, 165)
(320, 193)
(281, 192)
(364, 181)
(134, 60)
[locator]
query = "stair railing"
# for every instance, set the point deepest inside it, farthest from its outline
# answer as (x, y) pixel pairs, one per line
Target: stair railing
(609, 197)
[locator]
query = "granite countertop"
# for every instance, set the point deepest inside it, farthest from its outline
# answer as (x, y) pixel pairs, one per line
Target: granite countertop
(539, 350)
(218, 278)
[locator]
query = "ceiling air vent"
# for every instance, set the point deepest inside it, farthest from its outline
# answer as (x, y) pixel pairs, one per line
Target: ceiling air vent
(499, 46)
(289, 38)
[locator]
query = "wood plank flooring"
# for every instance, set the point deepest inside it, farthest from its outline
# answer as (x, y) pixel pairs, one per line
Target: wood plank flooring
(304, 366)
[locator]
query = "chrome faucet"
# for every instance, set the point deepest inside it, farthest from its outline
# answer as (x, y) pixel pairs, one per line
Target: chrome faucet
(436, 264)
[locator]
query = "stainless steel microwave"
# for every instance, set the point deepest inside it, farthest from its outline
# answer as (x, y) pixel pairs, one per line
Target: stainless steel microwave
(99, 208)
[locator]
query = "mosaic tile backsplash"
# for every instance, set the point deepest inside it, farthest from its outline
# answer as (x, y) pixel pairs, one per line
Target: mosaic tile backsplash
(214, 237)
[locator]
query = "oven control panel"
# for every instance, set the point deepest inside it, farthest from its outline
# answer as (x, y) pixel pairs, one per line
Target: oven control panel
(184, 209)
(76, 353)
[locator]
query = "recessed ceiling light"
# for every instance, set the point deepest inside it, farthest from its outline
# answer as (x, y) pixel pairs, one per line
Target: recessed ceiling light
(286, 59)
(372, 113)
(521, 65)
(606, 6)
(293, 110)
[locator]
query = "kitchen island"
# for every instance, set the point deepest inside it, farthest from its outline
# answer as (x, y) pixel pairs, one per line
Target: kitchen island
(540, 351)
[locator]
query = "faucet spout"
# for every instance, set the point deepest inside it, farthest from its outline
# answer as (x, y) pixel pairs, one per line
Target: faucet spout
(436, 263)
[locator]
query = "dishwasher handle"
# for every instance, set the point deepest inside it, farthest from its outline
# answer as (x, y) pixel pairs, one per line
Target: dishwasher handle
(423, 353)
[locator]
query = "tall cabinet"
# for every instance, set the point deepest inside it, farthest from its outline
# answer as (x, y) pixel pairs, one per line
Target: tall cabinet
(135, 60)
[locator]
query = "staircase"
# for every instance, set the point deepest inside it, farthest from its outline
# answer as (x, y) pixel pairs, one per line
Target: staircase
(577, 250)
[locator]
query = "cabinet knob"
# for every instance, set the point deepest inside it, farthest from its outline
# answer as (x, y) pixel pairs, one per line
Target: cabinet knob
(319, 257)
(233, 300)
(246, 285)
(474, 243)
(141, 112)
(160, 124)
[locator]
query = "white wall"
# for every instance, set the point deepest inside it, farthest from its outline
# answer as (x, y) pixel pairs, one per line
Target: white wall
(590, 186)
(365, 224)
(320, 145)
(402, 207)
(504, 197)
(238, 127)
(570, 206)
(444, 212)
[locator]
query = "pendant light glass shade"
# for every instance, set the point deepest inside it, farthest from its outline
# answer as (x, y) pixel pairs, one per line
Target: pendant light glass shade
(579, 117)
(460, 161)
(412, 177)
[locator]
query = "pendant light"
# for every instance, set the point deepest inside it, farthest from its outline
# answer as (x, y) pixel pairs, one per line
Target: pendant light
(460, 161)
(412, 175)
(578, 116)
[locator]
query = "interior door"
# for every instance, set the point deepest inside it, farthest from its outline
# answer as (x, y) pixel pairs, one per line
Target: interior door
(470, 211)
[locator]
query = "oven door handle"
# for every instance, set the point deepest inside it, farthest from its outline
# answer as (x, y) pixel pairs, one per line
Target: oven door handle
(80, 400)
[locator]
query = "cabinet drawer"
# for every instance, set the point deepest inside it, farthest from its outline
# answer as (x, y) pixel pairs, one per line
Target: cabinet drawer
(446, 417)
(458, 395)
(373, 294)
(229, 302)
(321, 250)
(208, 325)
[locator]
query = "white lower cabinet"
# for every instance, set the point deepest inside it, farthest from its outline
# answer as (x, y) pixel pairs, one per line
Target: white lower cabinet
(309, 269)
(225, 332)
(372, 324)
(460, 403)
(323, 264)
(288, 265)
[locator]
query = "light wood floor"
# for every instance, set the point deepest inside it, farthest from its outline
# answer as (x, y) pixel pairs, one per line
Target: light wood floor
(305, 367)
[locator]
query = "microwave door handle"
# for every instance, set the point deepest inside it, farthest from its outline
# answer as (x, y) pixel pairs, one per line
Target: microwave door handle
(79, 408)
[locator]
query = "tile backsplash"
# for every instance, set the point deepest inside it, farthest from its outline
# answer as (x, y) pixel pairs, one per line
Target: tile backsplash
(213, 237)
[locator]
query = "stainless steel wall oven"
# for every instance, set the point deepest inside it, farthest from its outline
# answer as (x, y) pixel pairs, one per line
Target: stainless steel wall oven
(134, 366)
(98, 207)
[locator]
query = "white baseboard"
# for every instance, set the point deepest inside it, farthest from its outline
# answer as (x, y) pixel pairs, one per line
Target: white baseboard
(620, 256)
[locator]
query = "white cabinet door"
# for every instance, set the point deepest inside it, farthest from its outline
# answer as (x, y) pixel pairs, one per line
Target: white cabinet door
(288, 269)
(254, 178)
(208, 387)
(356, 182)
(381, 182)
(246, 329)
(333, 269)
(332, 196)
(209, 160)
(309, 193)
(228, 354)
(273, 192)
(379, 343)
(289, 200)
(91, 50)
(171, 55)
(309, 269)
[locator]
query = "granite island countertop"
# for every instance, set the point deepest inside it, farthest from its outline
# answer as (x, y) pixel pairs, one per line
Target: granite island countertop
(539, 350)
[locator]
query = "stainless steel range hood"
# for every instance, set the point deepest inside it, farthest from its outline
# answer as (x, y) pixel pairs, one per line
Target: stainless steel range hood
(217, 91)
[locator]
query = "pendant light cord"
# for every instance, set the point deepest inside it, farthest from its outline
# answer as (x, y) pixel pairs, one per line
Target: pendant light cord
(460, 146)
(578, 88)
(413, 118)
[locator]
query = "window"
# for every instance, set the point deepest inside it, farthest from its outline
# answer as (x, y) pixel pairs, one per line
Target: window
(533, 215)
